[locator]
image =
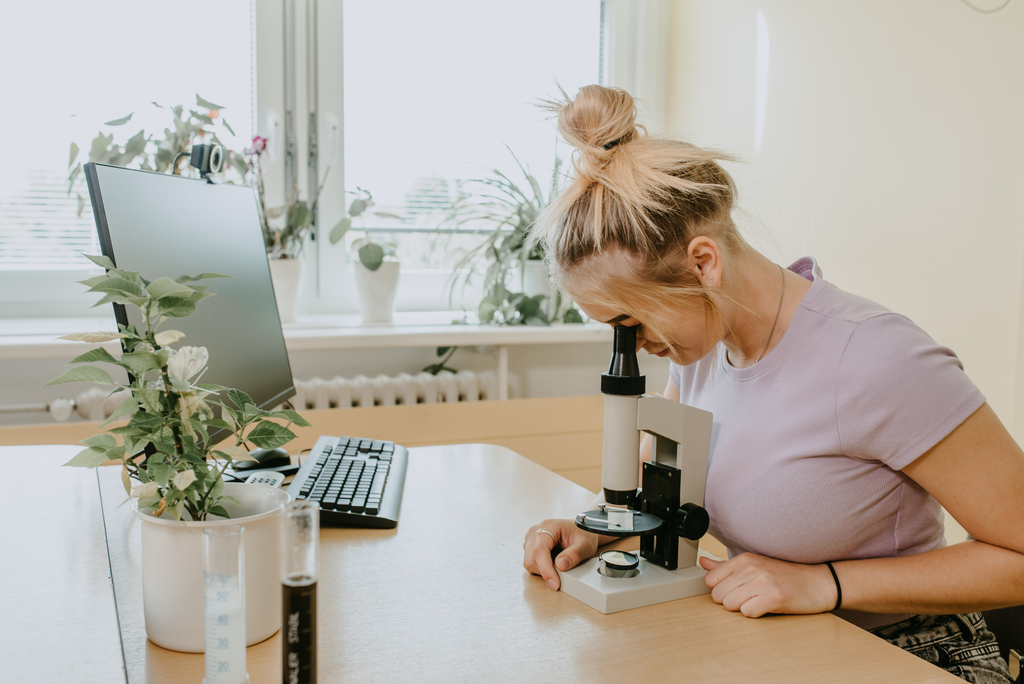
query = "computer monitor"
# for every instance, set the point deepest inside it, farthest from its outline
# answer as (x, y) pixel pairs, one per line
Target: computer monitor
(162, 225)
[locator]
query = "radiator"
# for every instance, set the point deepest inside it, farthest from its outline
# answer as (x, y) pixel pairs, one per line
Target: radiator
(317, 393)
(383, 390)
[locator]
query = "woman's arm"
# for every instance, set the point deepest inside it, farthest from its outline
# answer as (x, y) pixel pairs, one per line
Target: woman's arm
(977, 473)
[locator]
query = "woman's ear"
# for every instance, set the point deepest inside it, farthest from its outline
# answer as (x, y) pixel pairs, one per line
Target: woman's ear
(705, 258)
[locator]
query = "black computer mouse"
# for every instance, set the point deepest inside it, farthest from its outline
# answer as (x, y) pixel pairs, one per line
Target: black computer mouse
(265, 458)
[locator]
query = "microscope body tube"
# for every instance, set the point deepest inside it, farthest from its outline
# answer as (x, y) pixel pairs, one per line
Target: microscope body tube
(620, 456)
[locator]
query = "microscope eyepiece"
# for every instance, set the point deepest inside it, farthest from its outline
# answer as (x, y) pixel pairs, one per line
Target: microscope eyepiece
(623, 377)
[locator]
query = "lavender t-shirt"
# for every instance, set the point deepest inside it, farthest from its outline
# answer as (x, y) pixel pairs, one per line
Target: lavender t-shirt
(808, 443)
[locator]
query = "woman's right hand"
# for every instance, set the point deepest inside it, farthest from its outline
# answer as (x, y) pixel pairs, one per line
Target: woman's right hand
(572, 545)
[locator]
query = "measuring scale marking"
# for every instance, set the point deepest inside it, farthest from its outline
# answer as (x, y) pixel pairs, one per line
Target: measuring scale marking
(225, 630)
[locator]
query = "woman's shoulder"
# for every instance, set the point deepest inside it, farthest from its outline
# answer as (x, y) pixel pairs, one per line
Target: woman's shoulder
(830, 302)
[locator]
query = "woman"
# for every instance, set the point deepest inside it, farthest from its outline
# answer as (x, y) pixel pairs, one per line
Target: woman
(840, 427)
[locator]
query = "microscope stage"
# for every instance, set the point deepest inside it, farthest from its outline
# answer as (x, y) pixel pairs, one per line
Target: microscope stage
(653, 585)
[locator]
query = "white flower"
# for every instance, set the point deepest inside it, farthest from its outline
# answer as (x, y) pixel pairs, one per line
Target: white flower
(186, 362)
(183, 479)
(168, 337)
(145, 490)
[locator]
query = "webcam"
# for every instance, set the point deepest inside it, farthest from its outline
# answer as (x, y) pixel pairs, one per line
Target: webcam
(207, 158)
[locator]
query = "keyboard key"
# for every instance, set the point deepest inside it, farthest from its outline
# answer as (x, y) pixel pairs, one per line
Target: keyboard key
(377, 487)
(358, 504)
(373, 508)
(343, 504)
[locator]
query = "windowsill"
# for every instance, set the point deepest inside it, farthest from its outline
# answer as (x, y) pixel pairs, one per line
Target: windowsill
(26, 339)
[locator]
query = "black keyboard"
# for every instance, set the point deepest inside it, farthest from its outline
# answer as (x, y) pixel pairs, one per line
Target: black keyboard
(358, 482)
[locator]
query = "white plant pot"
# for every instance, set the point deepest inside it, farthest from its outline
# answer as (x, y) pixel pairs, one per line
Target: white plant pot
(172, 569)
(287, 277)
(536, 282)
(377, 291)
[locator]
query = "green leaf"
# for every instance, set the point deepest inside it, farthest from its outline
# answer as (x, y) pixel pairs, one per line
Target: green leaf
(103, 441)
(101, 261)
(84, 374)
(387, 215)
(118, 284)
(218, 423)
(95, 355)
(288, 414)
(165, 287)
(147, 421)
(230, 130)
(150, 398)
(240, 398)
(357, 207)
(572, 316)
(441, 351)
(268, 435)
(218, 510)
(205, 276)
(74, 154)
(140, 363)
(119, 122)
(89, 458)
(127, 407)
(339, 230)
(206, 103)
(371, 256)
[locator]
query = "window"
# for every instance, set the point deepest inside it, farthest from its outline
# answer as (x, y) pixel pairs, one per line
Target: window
(447, 91)
(72, 67)
(410, 104)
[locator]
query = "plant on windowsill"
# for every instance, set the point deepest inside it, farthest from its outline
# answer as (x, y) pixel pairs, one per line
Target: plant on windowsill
(510, 212)
(166, 450)
(153, 153)
(376, 263)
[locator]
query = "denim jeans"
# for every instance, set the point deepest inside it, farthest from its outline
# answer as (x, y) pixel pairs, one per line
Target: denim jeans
(959, 644)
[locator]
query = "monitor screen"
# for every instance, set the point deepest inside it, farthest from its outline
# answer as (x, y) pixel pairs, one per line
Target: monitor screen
(162, 225)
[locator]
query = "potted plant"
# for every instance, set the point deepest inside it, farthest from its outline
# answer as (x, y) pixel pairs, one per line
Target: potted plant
(509, 213)
(376, 264)
(154, 153)
(285, 231)
(170, 466)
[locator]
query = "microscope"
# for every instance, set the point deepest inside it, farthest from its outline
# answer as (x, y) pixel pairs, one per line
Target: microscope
(666, 512)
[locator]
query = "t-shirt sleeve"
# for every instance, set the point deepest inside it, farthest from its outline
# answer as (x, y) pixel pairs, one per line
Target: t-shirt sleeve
(898, 393)
(674, 373)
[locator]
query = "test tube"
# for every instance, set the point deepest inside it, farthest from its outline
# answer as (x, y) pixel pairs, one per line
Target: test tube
(300, 539)
(224, 616)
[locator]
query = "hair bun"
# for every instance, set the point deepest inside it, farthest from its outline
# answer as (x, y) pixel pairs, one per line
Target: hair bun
(597, 121)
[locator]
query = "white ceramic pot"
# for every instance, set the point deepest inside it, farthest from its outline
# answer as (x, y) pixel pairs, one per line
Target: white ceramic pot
(377, 291)
(172, 569)
(287, 277)
(537, 282)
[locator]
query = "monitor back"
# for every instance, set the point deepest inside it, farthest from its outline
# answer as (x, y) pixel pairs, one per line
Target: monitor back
(162, 225)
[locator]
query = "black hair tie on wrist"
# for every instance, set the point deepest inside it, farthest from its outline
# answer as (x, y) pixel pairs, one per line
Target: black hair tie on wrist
(839, 588)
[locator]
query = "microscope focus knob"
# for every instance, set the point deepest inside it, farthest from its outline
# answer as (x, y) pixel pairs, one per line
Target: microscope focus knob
(691, 521)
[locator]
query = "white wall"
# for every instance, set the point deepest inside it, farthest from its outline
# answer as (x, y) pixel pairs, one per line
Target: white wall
(891, 149)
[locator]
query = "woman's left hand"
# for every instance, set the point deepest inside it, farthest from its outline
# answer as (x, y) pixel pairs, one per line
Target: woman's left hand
(755, 585)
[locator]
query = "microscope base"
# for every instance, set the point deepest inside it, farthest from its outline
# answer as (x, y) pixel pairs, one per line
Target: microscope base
(653, 585)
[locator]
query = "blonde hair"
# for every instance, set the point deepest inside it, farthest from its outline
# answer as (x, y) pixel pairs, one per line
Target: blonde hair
(642, 195)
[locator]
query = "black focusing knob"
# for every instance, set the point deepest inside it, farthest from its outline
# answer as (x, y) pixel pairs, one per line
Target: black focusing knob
(691, 521)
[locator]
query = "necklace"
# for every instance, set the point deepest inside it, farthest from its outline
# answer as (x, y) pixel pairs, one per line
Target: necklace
(777, 313)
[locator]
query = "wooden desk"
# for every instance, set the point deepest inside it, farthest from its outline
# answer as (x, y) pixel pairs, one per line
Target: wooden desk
(444, 598)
